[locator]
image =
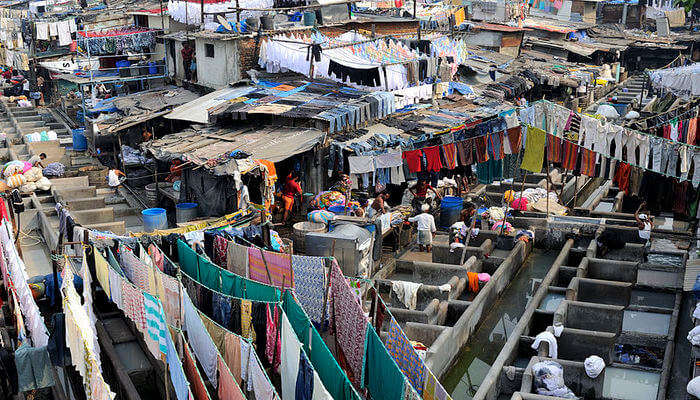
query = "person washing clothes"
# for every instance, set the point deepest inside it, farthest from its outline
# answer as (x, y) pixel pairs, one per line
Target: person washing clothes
(645, 225)
(242, 193)
(426, 228)
(36, 160)
(379, 205)
(113, 179)
(420, 192)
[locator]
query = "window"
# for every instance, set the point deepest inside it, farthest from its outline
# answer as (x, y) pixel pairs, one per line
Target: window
(209, 50)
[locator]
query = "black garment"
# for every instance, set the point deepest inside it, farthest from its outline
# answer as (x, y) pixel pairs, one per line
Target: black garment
(234, 323)
(57, 341)
(364, 77)
(215, 194)
(8, 373)
(259, 320)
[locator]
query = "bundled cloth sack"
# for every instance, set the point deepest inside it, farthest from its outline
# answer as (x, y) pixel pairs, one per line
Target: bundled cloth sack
(321, 216)
(13, 168)
(549, 380)
(693, 387)
(594, 366)
(43, 184)
(694, 336)
(34, 174)
(28, 187)
(57, 169)
(16, 181)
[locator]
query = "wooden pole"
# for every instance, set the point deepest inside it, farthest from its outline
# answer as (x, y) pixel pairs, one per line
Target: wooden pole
(267, 270)
(311, 64)
(201, 15)
(238, 12)
(547, 185)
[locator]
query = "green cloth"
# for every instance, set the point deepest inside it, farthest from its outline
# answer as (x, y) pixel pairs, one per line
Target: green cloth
(534, 150)
(238, 286)
(209, 274)
(188, 260)
(489, 171)
(332, 376)
(383, 377)
(220, 280)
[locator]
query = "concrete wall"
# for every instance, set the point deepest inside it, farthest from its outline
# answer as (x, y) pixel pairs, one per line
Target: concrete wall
(218, 71)
(446, 347)
(489, 387)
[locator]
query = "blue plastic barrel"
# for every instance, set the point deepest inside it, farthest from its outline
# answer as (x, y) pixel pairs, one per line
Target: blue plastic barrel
(450, 209)
(185, 212)
(152, 68)
(154, 218)
(309, 18)
(339, 210)
(79, 140)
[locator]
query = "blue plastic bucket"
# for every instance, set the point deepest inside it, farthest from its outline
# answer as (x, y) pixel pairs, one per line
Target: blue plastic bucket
(185, 212)
(79, 140)
(154, 218)
(450, 208)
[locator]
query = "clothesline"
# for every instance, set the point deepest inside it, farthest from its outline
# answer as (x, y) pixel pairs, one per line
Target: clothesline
(692, 110)
(648, 135)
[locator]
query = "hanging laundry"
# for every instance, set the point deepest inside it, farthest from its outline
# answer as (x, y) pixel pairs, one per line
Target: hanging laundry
(588, 162)
(554, 149)
(405, 355)
(570, 156)
(349, 322)
(413, 159)
(277, 265)
(465, 149)
(534, 150)
(481, 146)
(450, 154)
(309, 284)
(432, 156)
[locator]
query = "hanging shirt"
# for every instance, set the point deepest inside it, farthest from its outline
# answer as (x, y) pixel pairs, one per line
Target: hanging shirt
(534, 150)
(413, 160)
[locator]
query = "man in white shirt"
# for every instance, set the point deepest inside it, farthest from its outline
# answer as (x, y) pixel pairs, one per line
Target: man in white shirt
(426, 228)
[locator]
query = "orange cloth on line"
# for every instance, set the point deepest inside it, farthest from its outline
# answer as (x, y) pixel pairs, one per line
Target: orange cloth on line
(459, 16)
(271, 171)
(473, 281)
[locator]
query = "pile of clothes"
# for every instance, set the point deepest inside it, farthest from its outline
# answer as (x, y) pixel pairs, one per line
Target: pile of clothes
(23, 176)
(549, 380)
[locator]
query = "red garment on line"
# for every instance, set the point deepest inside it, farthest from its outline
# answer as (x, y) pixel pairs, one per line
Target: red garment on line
(432, 156)
(413, 160)
(622, 177)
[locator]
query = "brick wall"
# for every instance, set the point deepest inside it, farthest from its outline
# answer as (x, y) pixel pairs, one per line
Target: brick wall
(248, 52)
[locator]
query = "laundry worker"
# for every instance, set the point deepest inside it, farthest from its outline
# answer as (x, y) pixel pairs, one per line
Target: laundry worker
(645, 225)
(461, 229)
(187, 53)
(113, 179)
(242, 193)
(420, 191)
(426, 228)
(290, 189)
(25, 88)
(36, 160)
(361, 211)
(379, 204)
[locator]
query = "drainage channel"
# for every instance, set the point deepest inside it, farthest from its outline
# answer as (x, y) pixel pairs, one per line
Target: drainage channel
(476, 358)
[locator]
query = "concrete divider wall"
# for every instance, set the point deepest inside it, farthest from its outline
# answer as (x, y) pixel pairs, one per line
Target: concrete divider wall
(490, 385)
(446, 347)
